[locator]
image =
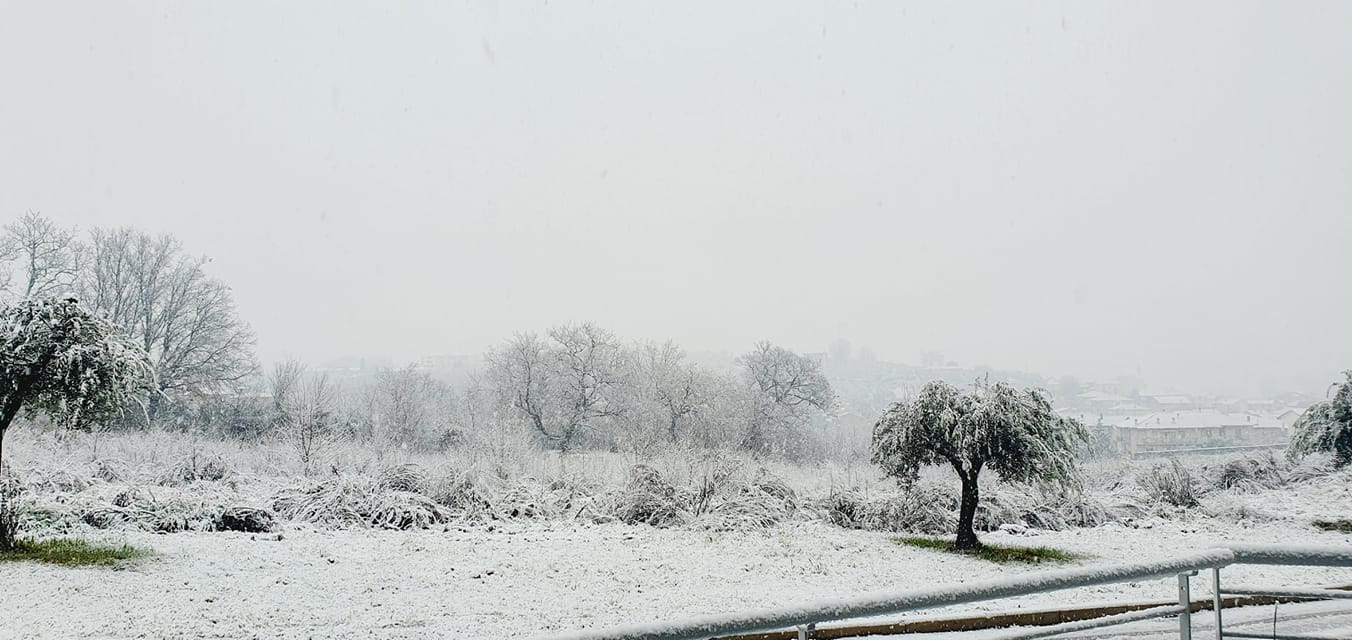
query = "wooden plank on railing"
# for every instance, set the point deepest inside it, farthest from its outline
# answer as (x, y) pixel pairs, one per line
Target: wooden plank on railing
(1021, 619)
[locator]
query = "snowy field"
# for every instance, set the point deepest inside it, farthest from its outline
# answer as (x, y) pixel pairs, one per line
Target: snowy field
(525, 579)
(487, 573)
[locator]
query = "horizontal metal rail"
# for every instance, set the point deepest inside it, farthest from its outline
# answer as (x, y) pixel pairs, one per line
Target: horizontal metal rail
(885, 603)
(1279, 636)
(1313, 594)
(1094, 623)
(1292, 555)
(912, 600)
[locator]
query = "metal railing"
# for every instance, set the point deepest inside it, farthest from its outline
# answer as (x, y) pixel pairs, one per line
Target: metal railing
(805, 618)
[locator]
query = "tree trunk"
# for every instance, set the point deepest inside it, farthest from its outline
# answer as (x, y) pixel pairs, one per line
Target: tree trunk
(967, 515)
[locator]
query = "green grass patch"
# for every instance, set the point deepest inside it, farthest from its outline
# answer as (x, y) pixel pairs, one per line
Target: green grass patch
(993, 552)
(72, 552)
(1341, 526)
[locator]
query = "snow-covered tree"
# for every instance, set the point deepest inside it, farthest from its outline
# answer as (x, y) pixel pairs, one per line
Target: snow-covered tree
(46, 257)
(306, 411)
(1013, 432)
(788, 389)
(59, 359)
(562, 386)
(411, 407)
(668, 391)
(184, 318)
(1326, 427)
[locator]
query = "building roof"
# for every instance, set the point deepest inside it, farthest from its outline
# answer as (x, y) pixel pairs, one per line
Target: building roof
(1199, 419)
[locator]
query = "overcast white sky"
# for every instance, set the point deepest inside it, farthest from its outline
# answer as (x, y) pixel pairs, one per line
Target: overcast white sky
(1069, 188)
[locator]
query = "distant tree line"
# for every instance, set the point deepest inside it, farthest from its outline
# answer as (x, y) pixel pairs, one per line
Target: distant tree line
(572, 387)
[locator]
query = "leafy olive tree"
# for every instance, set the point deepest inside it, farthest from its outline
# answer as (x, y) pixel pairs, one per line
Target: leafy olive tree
(59, 359)
(1326, 426)
(1014, 432)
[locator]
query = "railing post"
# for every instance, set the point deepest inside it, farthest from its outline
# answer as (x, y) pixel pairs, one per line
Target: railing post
(1185, 599)
(805, 630)
(1216, 603)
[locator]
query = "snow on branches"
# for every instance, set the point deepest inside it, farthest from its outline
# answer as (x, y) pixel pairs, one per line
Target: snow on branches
(1326, 427)
(58, 358)
(1014, 432)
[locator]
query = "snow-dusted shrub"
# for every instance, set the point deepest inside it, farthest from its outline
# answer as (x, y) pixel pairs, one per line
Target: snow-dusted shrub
(1003, 504)
(844, 508)
(649, 499)
(338, 502)
(1170, 483)
(764, 502)
(1086, 510)
(528, 499)
(11, 492)
(247, 519)
(109, 470)
(404, 510)
(1326, 427)
(348, 501)
(56, 481)
(775, 487)
(193, 468)
(462, 493)
(1309, 468)
(404, 477)
(110, 516)
(135, 496)
(1249, 473)
(924, 508)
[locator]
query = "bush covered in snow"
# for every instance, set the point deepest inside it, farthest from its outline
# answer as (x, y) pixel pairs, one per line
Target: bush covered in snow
(167, 482)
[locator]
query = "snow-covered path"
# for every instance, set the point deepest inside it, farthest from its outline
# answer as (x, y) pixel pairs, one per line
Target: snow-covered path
(523, 579)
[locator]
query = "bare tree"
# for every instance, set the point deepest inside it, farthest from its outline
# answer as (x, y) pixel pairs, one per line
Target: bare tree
(164, 298)
(413, 408)
(45, 256)
(788, 388)
(306, 411)
(284, 384)
(562, 387)
(474, 410)
(676, 388)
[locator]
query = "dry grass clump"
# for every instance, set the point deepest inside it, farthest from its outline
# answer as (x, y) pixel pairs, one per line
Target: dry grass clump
(109, 470)
(559, 497)
(1316, 466)
(462, 493)
(650, 499)
(195, 467)
(1170, 483)
(164, 510)
(55, 481)
(405, 477)
(404, 510)
(725, 504)
(925, 507)
(360, 501)
(1247, 474)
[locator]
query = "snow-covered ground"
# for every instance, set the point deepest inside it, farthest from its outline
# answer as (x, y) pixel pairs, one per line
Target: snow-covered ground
(561, 571)
(525, 579)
